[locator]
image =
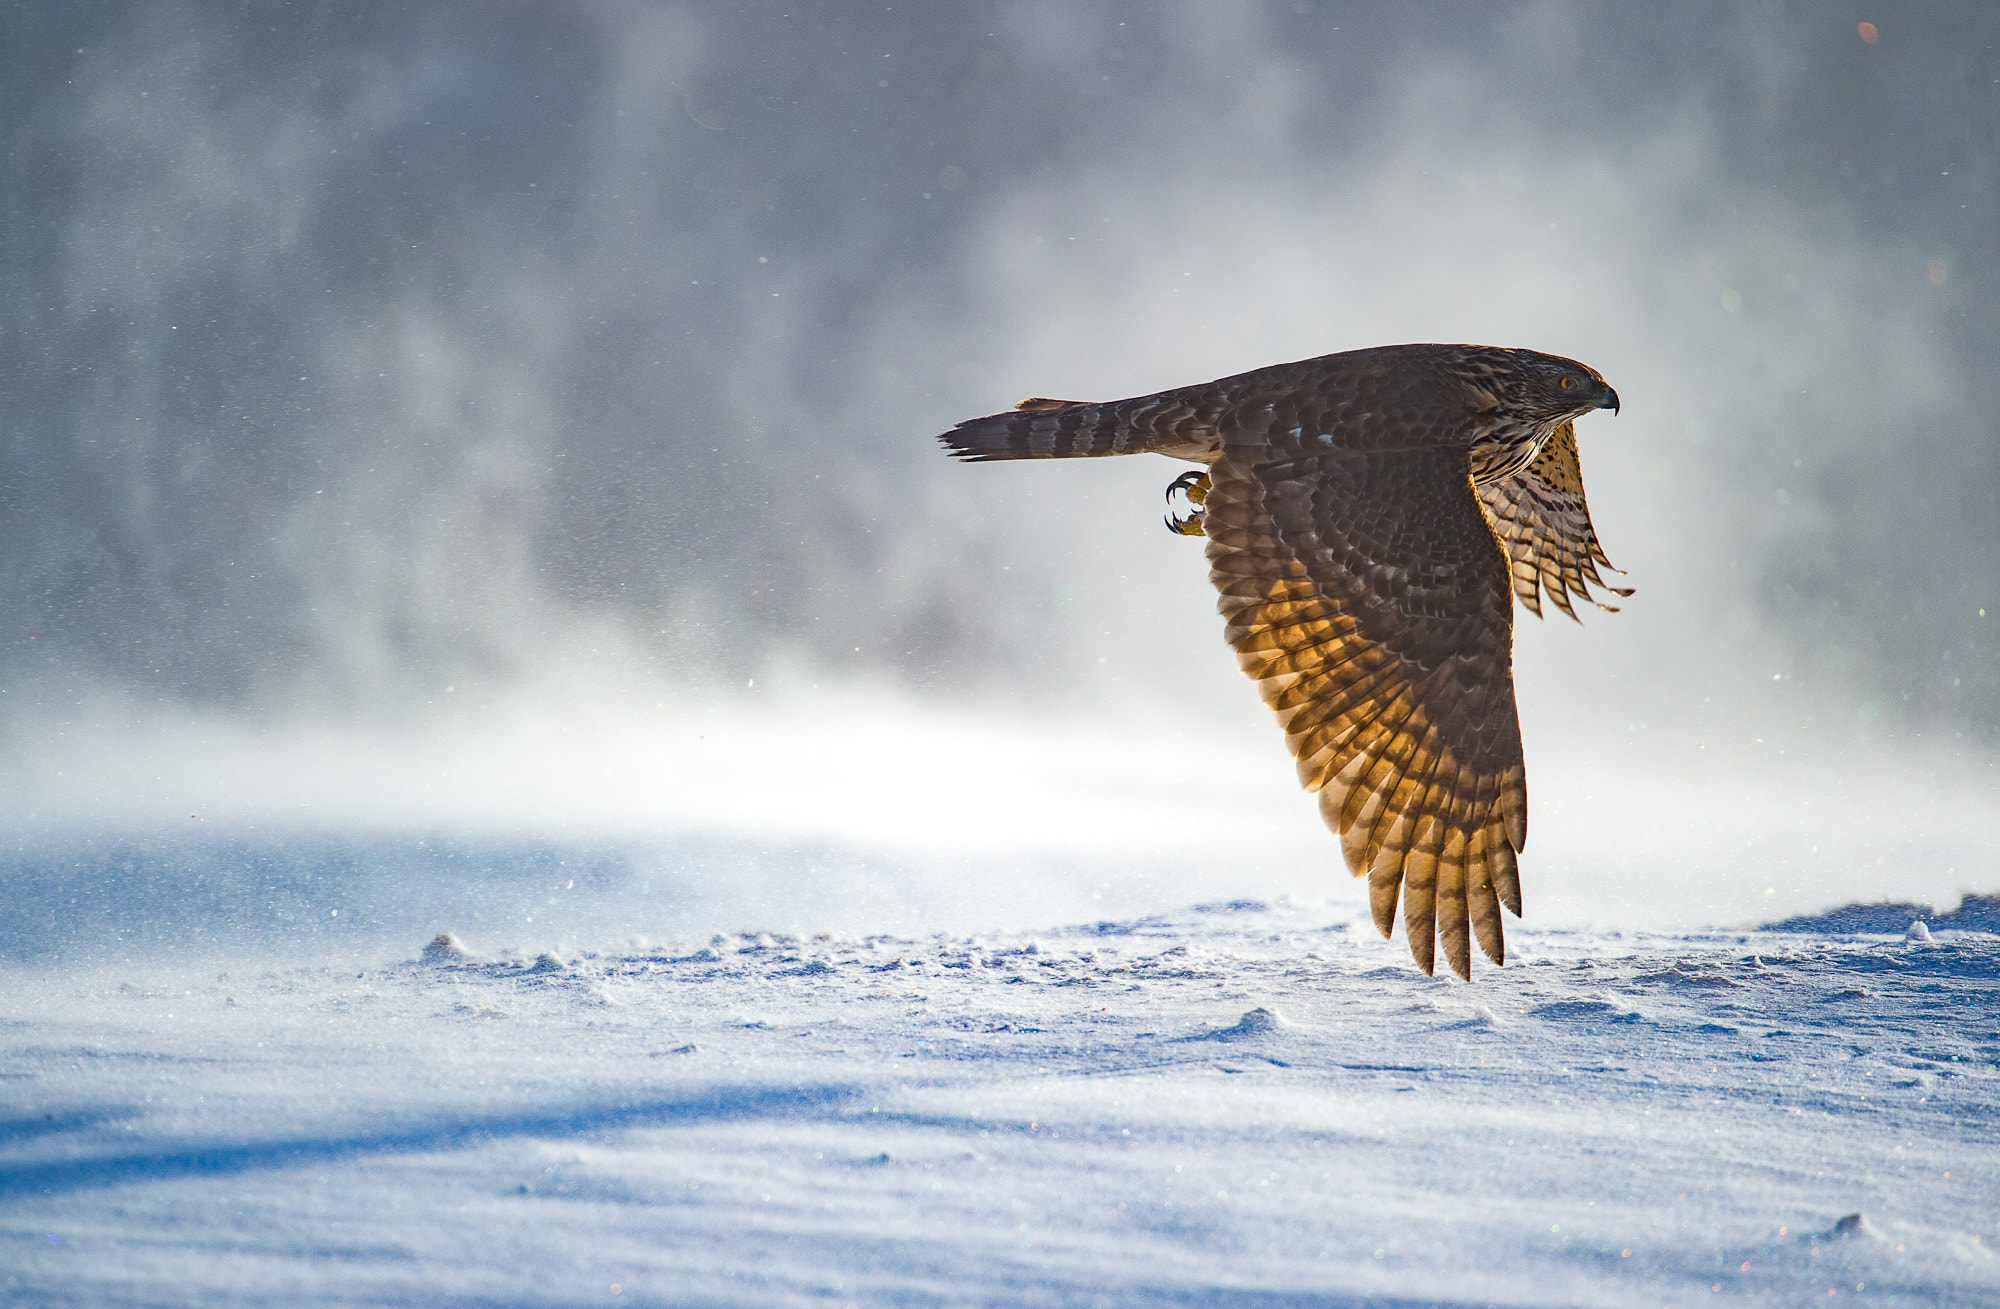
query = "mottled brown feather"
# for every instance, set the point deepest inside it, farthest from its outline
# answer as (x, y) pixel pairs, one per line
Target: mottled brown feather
(1453, 932)
(1390, 703)
(1543, 520)
(1481, 904)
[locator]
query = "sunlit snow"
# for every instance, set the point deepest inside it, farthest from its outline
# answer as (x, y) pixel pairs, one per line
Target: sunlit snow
(1236, 1104)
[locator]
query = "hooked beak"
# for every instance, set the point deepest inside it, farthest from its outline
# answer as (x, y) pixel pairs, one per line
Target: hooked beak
(1609, 400)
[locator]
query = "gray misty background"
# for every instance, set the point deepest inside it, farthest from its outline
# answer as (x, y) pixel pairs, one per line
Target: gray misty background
(371, 372)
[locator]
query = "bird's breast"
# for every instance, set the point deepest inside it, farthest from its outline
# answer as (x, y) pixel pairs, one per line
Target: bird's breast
(1507, 450)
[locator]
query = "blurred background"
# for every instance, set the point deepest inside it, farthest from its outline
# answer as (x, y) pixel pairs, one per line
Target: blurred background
(447, 445)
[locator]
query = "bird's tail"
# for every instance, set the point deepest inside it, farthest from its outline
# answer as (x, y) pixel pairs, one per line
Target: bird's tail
(1066, 429)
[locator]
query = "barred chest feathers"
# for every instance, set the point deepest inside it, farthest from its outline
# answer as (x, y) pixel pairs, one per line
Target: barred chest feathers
(1508, 449)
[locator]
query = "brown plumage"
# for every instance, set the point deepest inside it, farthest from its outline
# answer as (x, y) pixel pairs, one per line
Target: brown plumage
(1540, 516)
(1370, 518)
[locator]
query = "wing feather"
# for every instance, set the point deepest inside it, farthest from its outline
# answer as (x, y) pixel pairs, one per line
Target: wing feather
(1366, 791)
(1543, 521)
(1453, 932)
(1366, 594)
(1420, 869)
(1482, 902)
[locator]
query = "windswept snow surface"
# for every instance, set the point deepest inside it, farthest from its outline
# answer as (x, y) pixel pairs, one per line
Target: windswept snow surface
(1240, 1104)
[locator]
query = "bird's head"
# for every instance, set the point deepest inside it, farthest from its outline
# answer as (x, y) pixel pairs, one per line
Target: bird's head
(1563, 389)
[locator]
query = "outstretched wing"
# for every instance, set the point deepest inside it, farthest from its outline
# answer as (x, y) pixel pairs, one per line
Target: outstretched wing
(1540, 515)
(1367, 598)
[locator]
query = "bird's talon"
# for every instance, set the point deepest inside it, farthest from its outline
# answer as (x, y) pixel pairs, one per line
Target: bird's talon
(1194, 484)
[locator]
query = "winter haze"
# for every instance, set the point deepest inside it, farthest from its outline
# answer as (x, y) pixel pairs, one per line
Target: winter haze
(509, 427)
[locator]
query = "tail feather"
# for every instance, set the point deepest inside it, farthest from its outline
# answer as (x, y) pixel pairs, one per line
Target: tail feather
(1041, 428)
(1037, 428)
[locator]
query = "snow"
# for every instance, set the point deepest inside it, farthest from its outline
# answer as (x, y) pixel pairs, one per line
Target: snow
(1239, 1103)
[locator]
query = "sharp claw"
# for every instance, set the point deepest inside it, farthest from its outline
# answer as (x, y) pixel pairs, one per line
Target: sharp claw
(1194, 484)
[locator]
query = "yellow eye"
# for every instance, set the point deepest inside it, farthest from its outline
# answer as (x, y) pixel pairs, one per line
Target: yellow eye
(1567, 383)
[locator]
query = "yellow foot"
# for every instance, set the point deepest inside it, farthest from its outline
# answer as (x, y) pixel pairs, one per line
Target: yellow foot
(1195, 487)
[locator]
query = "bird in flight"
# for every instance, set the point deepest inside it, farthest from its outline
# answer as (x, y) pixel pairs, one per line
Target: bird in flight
(1370, 518)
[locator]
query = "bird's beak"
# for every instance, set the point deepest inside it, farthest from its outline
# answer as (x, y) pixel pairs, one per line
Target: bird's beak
(1609, 400)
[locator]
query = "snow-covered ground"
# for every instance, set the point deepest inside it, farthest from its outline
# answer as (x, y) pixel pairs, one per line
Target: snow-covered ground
(1240, 1104)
